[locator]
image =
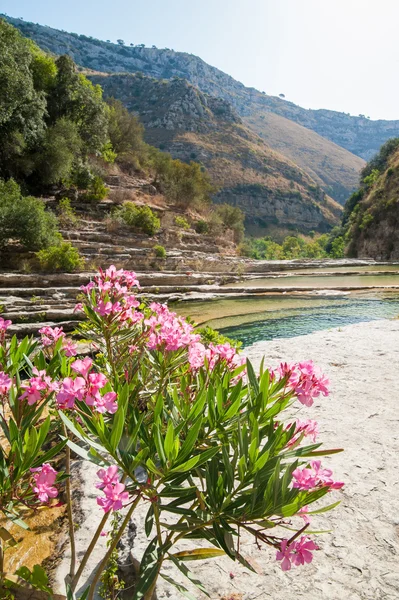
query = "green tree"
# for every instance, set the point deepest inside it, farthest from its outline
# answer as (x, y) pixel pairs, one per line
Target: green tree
(58, 152)
(24, 219)
(73, 96)
(22, 107)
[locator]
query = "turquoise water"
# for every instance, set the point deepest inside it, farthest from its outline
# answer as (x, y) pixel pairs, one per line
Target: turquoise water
(292, 322)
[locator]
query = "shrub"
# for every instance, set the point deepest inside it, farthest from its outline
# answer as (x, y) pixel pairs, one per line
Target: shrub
(139, 217)
(201, 226)
(96, 190)
(233, 218)
(160, 251)
(25, 219)
(182, 222)
(66, 215)
(206, 430)
(61, 258)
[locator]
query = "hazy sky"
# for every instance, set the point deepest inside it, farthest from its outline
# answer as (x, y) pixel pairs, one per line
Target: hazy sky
(337, 54)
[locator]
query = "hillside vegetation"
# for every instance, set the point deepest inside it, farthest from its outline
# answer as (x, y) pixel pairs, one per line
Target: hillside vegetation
(371, 216)
(273, 192)
(336, 171)
(61, 140)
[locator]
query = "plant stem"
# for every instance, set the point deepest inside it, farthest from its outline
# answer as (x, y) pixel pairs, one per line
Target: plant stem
(111, 548)
(69, 507)
(1, 563)
(89, 551)
(91, 547)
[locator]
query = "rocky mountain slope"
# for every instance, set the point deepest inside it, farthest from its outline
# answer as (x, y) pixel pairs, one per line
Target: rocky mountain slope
(373, 212)
(326, 148)
(273, 193)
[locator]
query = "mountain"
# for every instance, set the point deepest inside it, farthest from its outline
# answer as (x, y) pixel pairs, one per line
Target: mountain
(273, 192)
(324, 143)
(371, 217)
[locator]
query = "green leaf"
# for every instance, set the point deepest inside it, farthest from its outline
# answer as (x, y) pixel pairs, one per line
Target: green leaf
(191, 438)
(324, 509)
(253, 380)
(187, 573)
(198, 554)
(178, 586)
(117, 428)
(195, 461)
(169, 441)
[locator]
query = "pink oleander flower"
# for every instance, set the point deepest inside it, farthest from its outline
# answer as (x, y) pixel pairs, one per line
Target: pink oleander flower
(51, 335)
(108, 477)
(4, 324)
(37, 387)
(312, 477)
(104, 308)
(69, 347)
(106, 403)
(196, 355)
(44, 478)
(167, 331)
(305, 380)
(86, 289)
(115, 497)
(5, 383)
(297, 553)
(70, 391)
(82, 366)
(78, 307)
(307, 428)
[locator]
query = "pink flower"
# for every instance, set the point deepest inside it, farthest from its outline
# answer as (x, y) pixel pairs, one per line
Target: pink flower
(5, 383)
(82, 366)
(309, 478)
(303, 551)
(305, 380)
(104, 308)
(307, 428)
(37, 387)
(51, 335)
(86, 289)
(297, 553)
(196, 355)
(285, 554)
(70, 391)
(69, 347)
(106, 403)
(78, 307)
(115, 497)
(44, 478)
(4, 325)
(108, 477)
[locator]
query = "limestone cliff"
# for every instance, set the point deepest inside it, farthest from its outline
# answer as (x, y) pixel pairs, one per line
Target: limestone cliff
(372, 214)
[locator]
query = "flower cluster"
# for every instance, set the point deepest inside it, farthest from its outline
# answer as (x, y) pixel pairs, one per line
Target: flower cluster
(38, 387)
(86, 387)
(297, 553)
(307, 428)
(115, 495)
(44, 479)
(167, 330)
(113, 295)
(198, 354)
(305, 380)
(51, 335)
(4, 325)
(310, 478)
(5, 383)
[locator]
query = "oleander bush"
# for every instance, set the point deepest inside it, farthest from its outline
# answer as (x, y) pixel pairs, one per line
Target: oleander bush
(184, 427)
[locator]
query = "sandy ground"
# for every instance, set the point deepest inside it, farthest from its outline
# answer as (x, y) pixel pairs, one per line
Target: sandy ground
(359, 559)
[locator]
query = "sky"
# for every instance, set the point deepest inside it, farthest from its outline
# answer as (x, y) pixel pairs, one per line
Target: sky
(336, 54)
